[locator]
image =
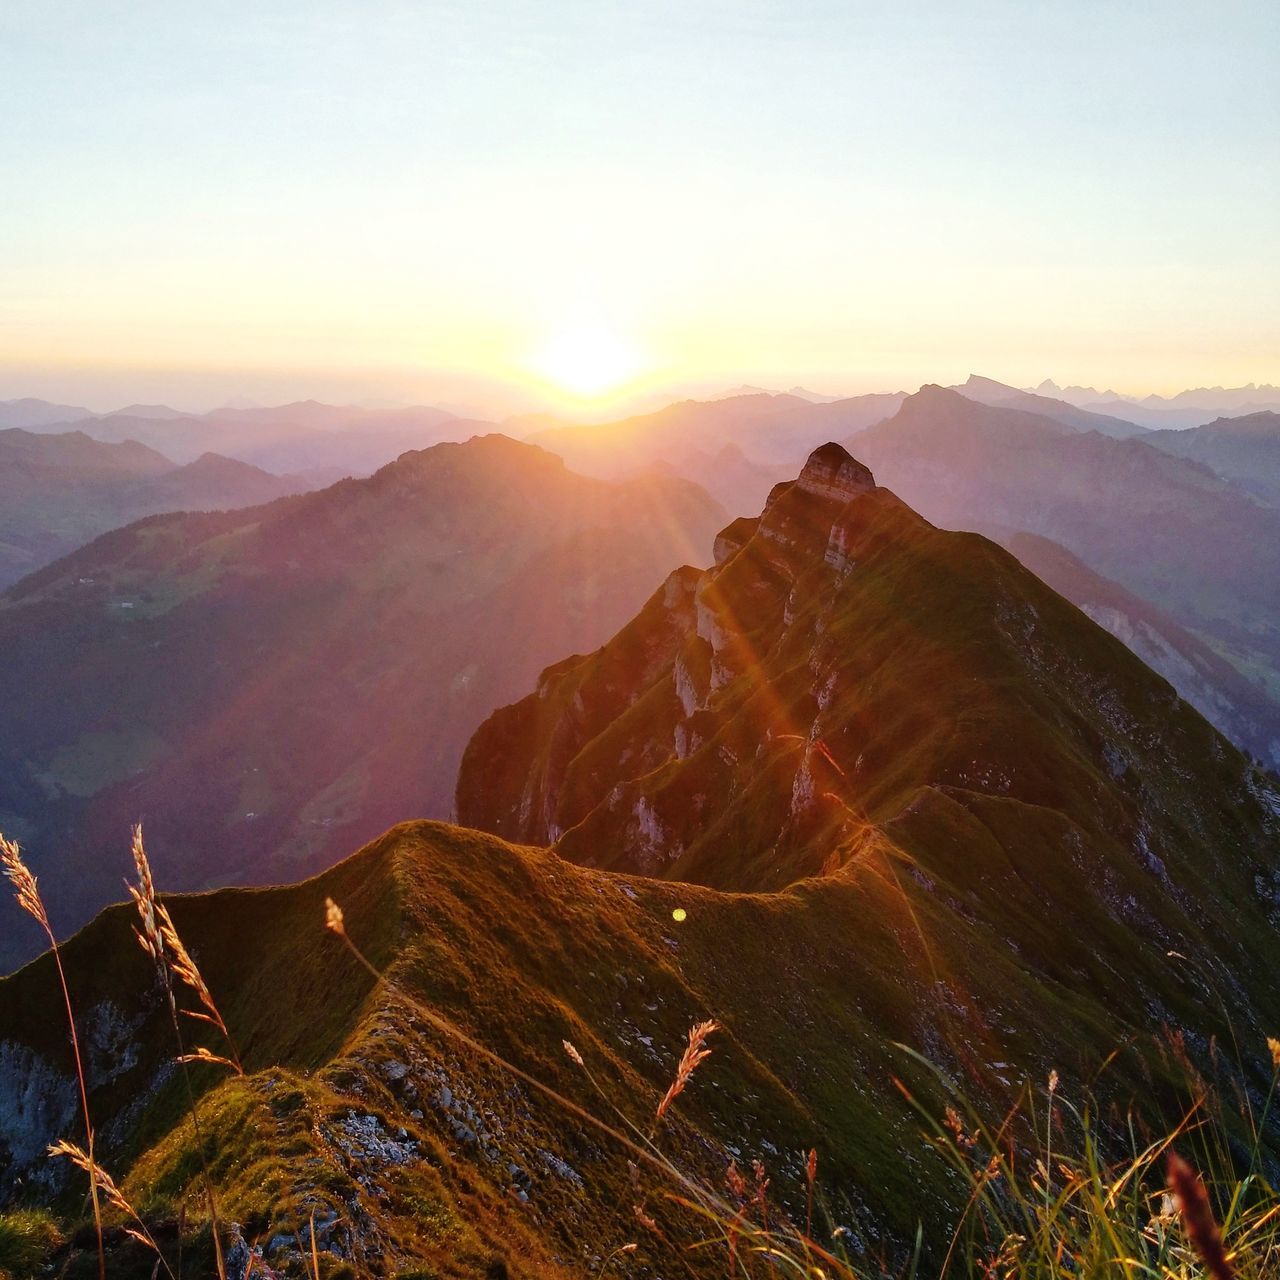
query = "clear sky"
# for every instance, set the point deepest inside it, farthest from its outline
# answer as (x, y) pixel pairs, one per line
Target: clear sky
(250, 196)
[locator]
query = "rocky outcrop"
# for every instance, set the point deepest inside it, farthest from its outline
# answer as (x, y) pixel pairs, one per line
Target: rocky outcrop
(832, 473)
(732, 538)
(37, 1106)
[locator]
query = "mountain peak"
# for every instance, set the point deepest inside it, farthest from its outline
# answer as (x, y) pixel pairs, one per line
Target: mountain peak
(832, 472)
(932, 392)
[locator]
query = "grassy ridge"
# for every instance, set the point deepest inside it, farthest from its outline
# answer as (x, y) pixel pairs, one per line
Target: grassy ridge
(345, 1109)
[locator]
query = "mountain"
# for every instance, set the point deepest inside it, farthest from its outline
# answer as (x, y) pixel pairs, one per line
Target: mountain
(1240, 708)
(907, 730)
(270, 687)
(1244, 449)
(1166, 528)
(986, 391)
(749, 723)
(307, 436)
(769, 428)
(1218, 398)
(59, 491)
(1078, 396)
(736, 482)
(161, 411)
(37, 413)
(418, 1156)
(801, 393)
(943, 812)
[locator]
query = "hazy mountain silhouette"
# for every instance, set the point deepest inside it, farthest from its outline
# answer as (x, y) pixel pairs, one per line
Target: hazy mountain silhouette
(1245, 449)
(58, 491)
(986, 391)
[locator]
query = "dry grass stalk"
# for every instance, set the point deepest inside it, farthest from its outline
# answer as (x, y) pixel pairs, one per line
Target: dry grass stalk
(1197, 1217)
(104, 1183)
(27, 893)
(761, 1192)
(695, 1053)
(160, 940)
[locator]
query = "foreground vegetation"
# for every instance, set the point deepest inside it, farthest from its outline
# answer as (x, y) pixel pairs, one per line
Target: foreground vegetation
(1059, 1186)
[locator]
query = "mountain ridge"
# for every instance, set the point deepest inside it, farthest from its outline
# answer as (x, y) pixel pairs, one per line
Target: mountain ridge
(287, 680)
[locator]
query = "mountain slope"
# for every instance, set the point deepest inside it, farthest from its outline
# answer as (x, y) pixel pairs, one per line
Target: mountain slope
(1238, 707)
(1167, 528)
(768, 428)
(269, 687)
(429, 1156)
(58, 491)
(846, 664)
(986, 391)
(1245, 450)
(301, 437)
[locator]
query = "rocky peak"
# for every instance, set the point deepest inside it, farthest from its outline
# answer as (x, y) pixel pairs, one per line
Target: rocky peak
(733, 537)
(832, 473)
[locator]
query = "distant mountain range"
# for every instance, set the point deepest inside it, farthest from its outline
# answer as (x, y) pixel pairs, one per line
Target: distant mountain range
(996, 394)
(308, 437)
(1185, 521)
(769, 428)
(60, 490)
(1186, 409)
(271, 686)
(1245, 449)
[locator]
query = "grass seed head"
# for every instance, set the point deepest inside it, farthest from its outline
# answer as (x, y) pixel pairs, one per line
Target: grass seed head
(24, 882)
(695, 1053)
(1197, 1217)
(333, 918)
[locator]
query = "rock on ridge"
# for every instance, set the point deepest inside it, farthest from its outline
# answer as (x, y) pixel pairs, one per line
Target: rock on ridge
(831, 472)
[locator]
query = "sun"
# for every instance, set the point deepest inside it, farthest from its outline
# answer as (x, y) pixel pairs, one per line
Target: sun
(587, 360)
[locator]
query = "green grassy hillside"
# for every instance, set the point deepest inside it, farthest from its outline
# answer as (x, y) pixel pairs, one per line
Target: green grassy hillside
(437, 1162)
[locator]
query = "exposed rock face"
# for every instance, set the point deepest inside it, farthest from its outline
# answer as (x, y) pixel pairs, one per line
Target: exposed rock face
(831, 473)
(37, 1106)
(733, 538)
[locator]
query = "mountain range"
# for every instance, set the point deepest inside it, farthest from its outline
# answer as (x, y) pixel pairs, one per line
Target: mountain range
(323, 441)
(60, 490)
(1189, 541)
(861, 790)
(1245, 450)
(1185, 409)
(270, 687)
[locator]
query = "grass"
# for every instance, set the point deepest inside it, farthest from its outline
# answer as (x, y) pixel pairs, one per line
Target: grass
(27, 1238)
(1066, 1181)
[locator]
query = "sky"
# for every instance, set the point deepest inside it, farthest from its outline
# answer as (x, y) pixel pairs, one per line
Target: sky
(586, 200)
